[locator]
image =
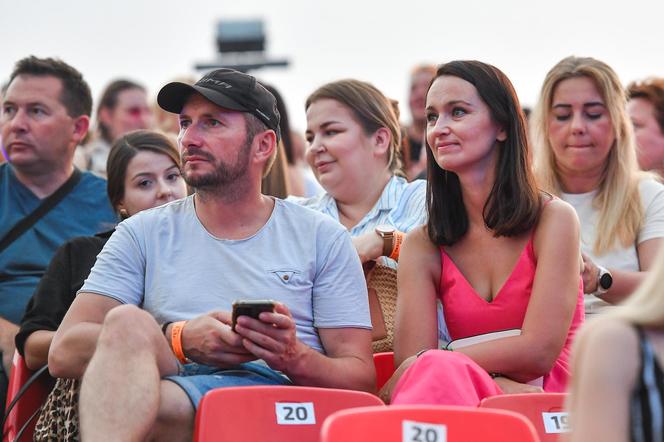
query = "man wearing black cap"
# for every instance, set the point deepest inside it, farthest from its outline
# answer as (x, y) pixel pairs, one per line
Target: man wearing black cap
(185, 263)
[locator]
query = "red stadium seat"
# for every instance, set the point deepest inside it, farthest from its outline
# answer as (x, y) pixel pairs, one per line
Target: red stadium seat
(398, 423)
(384, 363)
(29, 402)
(274, 413)
(544, 410)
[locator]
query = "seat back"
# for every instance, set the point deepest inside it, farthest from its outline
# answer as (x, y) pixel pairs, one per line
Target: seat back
(544, 410)
(28, 404)
(384, 363)
(274, 413)
(399, 423)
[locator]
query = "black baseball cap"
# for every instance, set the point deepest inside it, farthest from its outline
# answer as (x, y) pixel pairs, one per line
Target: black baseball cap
(229, 89)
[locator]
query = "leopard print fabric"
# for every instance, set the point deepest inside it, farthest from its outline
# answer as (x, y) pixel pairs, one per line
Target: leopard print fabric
(58, 419)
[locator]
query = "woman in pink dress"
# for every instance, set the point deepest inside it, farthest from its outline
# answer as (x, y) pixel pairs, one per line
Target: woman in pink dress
(497, 252)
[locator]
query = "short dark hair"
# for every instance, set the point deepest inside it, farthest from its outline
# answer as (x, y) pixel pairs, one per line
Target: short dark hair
(75, 96)
(514, 203)
(124, 149)
(109, 99)
(652, 90)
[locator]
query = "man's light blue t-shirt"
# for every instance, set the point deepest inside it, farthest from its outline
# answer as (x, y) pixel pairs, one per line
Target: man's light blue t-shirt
(165, 261)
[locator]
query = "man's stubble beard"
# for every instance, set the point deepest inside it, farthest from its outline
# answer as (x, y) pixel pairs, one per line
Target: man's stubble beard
(228, 181)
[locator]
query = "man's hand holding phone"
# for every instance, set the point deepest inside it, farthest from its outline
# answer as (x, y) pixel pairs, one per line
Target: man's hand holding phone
(209, 340)
(272, 338)
(251, 308)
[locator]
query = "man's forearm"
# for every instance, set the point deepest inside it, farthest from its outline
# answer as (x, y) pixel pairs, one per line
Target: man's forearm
(71, 351)
(317, 370)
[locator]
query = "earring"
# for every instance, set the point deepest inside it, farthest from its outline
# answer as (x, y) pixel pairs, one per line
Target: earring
(124, 214)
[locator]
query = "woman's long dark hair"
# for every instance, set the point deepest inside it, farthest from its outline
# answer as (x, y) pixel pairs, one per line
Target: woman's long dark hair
(514, 203)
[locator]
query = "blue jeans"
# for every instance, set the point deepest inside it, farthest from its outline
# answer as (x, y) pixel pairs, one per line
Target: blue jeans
(196, 379)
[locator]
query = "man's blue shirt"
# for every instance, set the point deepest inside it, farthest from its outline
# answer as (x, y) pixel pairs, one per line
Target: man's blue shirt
(83, 212)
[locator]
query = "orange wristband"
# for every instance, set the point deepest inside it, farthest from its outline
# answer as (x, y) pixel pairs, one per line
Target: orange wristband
(398, 239)
(176, 340)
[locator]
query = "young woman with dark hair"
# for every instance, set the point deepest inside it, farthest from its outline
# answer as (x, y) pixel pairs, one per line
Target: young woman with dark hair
(143, 172)
(499, 254)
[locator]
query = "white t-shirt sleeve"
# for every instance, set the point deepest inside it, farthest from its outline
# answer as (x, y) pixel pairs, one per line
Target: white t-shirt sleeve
(119, 271)
(652, 196)
(340, 296)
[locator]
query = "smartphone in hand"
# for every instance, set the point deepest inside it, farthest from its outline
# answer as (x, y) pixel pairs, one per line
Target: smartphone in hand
(251, 308)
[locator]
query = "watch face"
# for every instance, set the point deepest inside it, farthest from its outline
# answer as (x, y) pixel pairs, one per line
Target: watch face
(385, 228)
(605, 281)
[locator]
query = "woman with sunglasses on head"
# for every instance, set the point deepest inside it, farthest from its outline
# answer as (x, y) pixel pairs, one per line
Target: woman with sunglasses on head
(586, 154)
(123, 107)
(498, 253)
(143, 172)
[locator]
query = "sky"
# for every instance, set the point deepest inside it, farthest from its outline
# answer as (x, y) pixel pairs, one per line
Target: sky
(154, 41)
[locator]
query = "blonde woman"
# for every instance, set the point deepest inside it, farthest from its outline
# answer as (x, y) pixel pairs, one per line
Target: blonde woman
(585, 153)
(617, 390)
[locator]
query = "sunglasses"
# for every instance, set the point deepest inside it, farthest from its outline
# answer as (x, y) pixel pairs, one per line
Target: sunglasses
(137, 111)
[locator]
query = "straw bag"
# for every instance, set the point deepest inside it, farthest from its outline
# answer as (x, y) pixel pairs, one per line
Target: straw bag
(382, 286)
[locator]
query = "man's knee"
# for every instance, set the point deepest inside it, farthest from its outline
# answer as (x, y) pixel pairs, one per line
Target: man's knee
(129, 326)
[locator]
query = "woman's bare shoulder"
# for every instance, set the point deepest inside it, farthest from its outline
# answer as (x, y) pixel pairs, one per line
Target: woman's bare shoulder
(418, 248)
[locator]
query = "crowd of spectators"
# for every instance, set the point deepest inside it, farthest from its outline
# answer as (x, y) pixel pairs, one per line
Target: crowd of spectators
(125, 244)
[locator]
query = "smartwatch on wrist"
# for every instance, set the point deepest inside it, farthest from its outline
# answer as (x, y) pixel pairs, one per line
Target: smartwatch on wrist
(386, 232)
(604, 281)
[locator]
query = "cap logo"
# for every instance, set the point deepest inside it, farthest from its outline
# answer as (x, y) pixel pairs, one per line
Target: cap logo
(263, 114)
(217, 82)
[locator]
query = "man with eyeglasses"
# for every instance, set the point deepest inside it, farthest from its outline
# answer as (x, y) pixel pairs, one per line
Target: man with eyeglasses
(45, 113)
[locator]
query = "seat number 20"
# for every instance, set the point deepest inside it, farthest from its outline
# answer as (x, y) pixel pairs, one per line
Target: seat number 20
(295, 413)
(423, 432)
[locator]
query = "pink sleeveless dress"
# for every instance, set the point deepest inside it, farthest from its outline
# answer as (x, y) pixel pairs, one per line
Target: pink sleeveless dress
(451, 378)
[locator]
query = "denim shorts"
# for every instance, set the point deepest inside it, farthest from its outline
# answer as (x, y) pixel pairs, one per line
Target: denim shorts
(197, 379)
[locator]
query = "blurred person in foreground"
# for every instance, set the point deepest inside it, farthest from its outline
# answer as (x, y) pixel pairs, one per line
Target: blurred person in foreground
(617, 389)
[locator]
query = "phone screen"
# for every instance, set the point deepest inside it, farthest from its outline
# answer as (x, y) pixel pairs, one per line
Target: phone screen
(251, 308)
